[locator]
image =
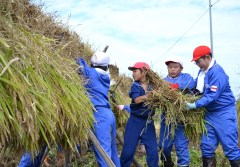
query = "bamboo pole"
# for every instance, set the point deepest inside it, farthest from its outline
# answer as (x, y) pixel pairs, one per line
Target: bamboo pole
(100, 149)
(95, 142)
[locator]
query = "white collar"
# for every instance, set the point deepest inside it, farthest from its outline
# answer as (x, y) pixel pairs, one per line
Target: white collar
(101, 71)
(200, 82)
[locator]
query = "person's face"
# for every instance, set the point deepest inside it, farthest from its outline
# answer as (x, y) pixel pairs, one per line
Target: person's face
(174, 69)
(203, 63)
(138, 75)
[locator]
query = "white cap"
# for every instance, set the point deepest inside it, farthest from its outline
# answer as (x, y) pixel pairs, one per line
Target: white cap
(175, 60)
(100, 59)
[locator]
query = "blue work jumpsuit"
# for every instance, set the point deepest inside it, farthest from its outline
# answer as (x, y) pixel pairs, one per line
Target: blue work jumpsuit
(221, 115)
(27, 161)
(166, 141)
(139, 125)
(105, 126)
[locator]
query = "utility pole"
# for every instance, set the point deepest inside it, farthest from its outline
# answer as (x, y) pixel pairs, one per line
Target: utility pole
(210, 18)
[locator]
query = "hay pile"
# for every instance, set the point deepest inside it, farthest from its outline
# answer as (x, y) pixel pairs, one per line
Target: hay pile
(42, 97)
(173, 103)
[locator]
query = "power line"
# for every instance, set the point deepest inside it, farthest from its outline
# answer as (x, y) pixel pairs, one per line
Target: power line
(215, 3)
(180, 38)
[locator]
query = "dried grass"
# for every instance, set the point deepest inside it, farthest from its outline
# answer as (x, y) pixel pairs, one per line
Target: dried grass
(173, 103)
(42, 100)
(118, 96)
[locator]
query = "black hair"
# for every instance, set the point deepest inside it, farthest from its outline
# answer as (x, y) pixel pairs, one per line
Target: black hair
(141, 70)
(210, 54)
(105, 68)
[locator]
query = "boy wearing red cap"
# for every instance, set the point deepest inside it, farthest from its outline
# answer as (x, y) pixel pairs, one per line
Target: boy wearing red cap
(182, 81)
(221, 115)
(140, 123)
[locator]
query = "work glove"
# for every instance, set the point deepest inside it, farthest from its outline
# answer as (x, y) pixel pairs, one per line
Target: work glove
(120, 107)
(174, 86)
(190, 106)
(124, 107)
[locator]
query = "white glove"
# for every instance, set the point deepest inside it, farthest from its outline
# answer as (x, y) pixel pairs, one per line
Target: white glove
(120, 107)
(190, 106)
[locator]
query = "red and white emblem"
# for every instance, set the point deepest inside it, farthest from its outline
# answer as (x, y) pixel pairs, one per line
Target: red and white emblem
(214, 88)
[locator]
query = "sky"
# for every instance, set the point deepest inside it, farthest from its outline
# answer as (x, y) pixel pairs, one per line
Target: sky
(156, 30)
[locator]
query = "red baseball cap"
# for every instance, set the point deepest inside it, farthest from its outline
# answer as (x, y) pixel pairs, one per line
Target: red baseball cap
(200, 51)
(139, 65)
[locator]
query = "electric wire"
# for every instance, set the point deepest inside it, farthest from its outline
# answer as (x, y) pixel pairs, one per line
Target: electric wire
(192, 25)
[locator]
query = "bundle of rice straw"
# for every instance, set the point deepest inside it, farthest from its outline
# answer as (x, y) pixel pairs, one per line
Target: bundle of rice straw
(173, 103)
(119, 97)
(43, 100)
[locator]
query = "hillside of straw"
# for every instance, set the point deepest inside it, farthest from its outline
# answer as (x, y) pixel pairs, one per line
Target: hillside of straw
(42, 98)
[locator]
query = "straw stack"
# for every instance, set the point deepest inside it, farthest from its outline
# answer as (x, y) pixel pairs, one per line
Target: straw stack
(173, 103)
(42, 98)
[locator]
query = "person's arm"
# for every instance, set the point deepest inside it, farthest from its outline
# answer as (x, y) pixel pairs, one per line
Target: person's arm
(84, 68)
(218, 82)
(140, 99)
(124, 107)
(134, 94)
(127, 108)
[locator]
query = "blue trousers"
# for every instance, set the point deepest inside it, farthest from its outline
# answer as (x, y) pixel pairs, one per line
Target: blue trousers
(27, 161)
(222, 127)
(105, 131)
(179, 140)
(137, 128)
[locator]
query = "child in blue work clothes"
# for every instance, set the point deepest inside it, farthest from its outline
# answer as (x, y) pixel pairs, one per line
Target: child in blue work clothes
(220, 104)
(182, 81)
(140, 123)
(97, 87)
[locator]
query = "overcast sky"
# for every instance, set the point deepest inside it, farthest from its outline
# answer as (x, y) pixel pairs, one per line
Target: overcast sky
(146, 30)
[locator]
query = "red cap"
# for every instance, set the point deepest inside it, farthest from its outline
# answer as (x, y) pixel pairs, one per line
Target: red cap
(200, 51)
(139, 65)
